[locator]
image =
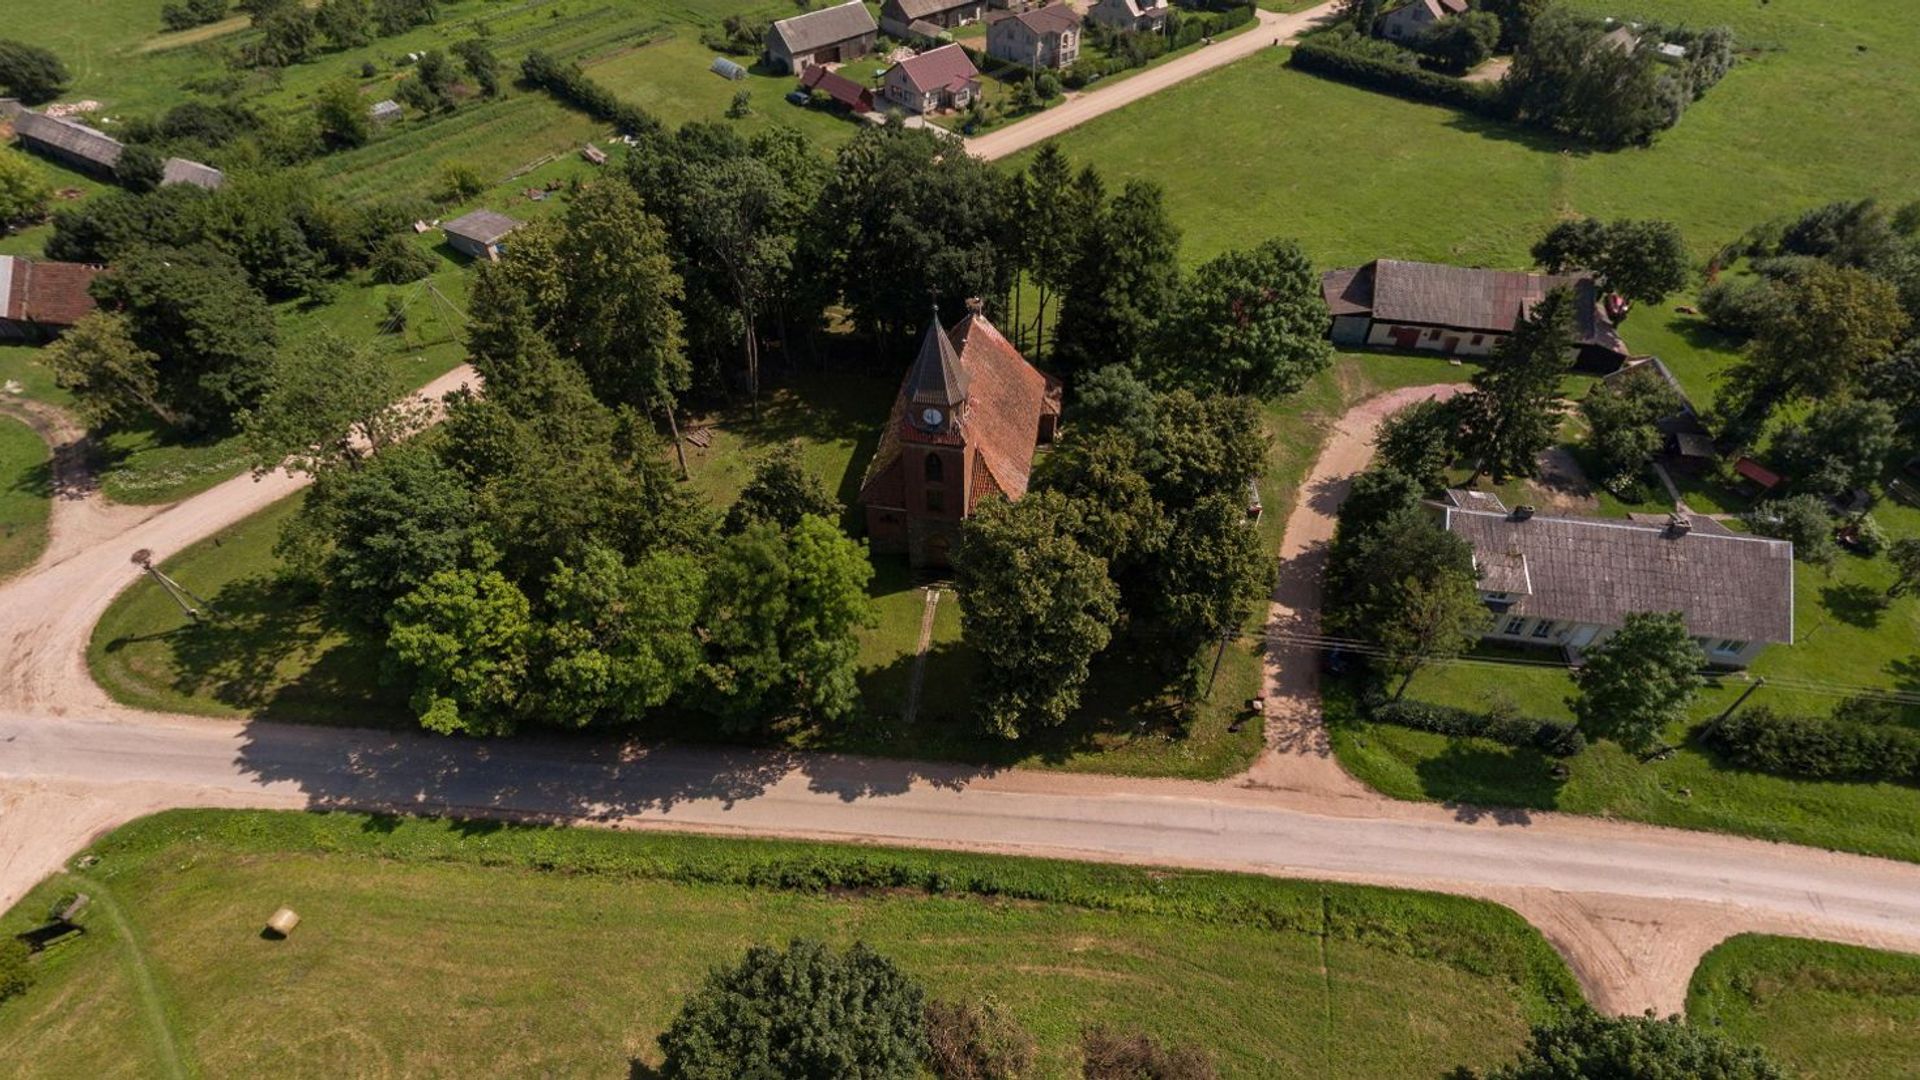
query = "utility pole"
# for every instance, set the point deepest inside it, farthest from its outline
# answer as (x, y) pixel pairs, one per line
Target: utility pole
(1742, 699)
(181, 595)
(1218, 656)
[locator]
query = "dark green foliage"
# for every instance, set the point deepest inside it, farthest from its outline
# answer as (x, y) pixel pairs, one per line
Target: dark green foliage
(1347, 60)
(480, 63)
(1567, 77)
(1036, 605)
(1858, 234)
(617, 640)
(392, 17)
(1247, 322)
(210, 124)
(1124, 282)
(1516, 19)
(1587, 1046)
(1107, 1054)
(1458, 44)
(1394, 579)
(1203, 446)
(194, 309)
(781, 616)
(430, 90)
(1622, 413)
(781, 492)
(1419, 441)
(1740, 306)
(1117, 517)
(139, 168)
(106, 226)
(803, 1013)
(907, 223)
(329, 405)
(346, 24)
(342, 115)
(1643, 261)
(29, 72)
(1212, 576)
(564, 80)
(969, 1041)
(288, 35)
(1636, 682)
(191, 13)
(1512, 414)
(1801, 520)
(1896, 381)
(1499, 724)
(1816, 747)
(1840, 446)
(397, 260)
(16, 968)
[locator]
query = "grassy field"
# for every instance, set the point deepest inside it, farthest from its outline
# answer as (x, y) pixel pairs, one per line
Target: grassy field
(1831, 1012)
(25, 496)
(1847, 632)
(275, 654)
(447, 948)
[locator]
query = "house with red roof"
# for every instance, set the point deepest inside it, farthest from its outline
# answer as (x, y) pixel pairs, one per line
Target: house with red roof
(39, 299)
(842, 90)
(942, 78)
(970, 414)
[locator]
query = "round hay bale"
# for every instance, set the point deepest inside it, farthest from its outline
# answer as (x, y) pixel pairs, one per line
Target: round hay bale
(283, 922)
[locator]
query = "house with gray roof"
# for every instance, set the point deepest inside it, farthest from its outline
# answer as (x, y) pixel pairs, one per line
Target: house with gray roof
(181, 171)
(1040, 38)
(69, 142)
(478, 235)
(1416, 17)
(1568, 583)
(831, 35)
(1458, 310)
(898, 16)
(1138, 16)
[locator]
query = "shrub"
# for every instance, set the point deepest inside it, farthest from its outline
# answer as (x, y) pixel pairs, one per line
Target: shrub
(1739, 306)
(1327, 55)
(966, 1041)
(741, 105)
(1801, 520)
(458, 182)
(397, 261)
(1110, 1055)
(807, 1013)
(1500, 724)
(1853, 744)
(16, 971)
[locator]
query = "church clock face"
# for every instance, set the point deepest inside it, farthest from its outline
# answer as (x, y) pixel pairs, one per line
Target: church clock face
(931, 417)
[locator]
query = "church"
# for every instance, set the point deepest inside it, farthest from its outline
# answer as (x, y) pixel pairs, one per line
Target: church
(970, 414)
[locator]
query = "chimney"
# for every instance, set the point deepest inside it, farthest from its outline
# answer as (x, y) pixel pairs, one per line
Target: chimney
(1679, 525)
(1521, 513)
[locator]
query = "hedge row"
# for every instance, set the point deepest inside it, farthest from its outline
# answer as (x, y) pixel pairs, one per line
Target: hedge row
(567, 82)
(1324, 56)
(1547, 736)
(1815, 747)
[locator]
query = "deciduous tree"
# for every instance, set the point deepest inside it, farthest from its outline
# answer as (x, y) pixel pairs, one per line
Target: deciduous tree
(781, 492)
(1247, 322)
(329, 405)
(1586, 1046)
(1622, 414)
(113, 380)
(1635, 683)
(618, 640)
(342, 114)
(1840, 446)
(1429, 619)
(1035, 605)
(1125, 282)
(24, 189)
(29, 72)
(466, 638)
(1420, 440)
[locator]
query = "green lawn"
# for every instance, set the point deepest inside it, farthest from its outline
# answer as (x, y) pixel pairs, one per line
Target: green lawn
(1845, 634)
(26, 492)
(22, 374)
(465, 948)
(1831, 1012)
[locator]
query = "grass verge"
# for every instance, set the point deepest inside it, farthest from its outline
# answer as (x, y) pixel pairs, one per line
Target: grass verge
(26, 494)
(1828, 1011)
(469, 948)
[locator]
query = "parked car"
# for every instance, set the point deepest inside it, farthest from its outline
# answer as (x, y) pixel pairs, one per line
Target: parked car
(798, 97)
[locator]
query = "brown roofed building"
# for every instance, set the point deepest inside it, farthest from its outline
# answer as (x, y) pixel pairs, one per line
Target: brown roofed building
(970, 414)
(831, 35)
(1569, 582)
(1047, 37)
(40, 299)
(942, 78)
(181, 171)
(68, 141)
(479, 235)
(838, 87)
(1458, 310)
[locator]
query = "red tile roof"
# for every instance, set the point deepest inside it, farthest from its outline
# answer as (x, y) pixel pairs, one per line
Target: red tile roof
(45, 293)
(938, 69)
(839, 88)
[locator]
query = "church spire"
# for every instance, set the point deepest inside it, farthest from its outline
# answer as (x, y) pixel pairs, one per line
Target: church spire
(937, 379)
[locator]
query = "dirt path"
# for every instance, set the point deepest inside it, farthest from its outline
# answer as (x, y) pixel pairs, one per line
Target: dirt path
(79, 518)
(1271, 29)
(1631, 907)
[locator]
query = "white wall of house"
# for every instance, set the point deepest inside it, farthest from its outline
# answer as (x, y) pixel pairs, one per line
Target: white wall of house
(1576, 637)
(1464, 343)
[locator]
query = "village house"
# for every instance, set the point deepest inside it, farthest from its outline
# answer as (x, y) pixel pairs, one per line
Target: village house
(970, 414)
(39, 299)
(1042, 38)
(942, 78)
(1410, 20)
(1568, 583)
(91, 150)
(478, 235)
(897, 17)
(842, 90)
(1140, 16)
(831, 35)
(1461, 311)
(1686, 440)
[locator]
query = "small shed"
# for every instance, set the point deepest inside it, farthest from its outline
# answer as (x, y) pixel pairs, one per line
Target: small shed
(727, 69)
(181, 171)
(479, 234)
(68, 141)
(1764, 478)
(384, 112)
(593, 154)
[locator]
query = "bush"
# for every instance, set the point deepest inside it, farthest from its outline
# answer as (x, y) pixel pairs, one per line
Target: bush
(16, 971)
(1739, 306)
(1325, 55)
(966, 1041)
(459, 182)
(1109, 1055)
(806, 1013)
(1801, 520)
(1501, 724)
(397, 261)
(1855, 743)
